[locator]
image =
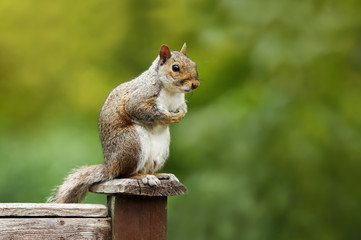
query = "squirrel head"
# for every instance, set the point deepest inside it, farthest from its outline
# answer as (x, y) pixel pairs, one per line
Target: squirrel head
(179, 71)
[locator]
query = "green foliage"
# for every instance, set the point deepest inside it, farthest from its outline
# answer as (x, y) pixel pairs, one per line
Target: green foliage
(271, 146)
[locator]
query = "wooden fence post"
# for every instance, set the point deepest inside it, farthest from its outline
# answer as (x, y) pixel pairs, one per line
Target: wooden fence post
(139, 211)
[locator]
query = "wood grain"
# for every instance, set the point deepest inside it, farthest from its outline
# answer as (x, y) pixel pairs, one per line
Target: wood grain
(55, 228)
(133, 186)
(137, 211)
(139, 217)
(52, 210)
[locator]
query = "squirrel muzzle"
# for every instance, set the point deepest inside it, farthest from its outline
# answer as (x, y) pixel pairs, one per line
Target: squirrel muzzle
(195, 84)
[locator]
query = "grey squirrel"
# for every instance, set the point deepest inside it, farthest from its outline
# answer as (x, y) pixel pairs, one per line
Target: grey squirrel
(133, 125)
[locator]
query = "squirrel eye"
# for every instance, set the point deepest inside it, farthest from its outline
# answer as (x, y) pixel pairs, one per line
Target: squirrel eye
(175, 68)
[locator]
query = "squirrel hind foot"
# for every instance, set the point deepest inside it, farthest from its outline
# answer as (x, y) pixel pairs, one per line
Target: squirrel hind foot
(166, 176)
(154, 179)
(150, 180)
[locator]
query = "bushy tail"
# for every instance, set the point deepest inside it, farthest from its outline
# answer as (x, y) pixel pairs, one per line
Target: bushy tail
(77, 184)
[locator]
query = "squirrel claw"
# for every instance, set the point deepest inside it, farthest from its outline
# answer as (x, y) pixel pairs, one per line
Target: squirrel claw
(150, 180)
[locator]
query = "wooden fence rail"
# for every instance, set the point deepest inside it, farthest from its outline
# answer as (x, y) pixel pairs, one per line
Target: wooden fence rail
(134, 211)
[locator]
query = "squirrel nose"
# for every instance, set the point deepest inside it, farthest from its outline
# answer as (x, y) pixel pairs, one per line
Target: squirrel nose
(195, 84)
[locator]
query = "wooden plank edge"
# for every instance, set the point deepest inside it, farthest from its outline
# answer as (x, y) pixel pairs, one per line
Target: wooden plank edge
(52, 210)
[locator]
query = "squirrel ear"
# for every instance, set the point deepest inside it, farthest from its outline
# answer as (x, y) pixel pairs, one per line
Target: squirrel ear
(184, 49)
(164, 54)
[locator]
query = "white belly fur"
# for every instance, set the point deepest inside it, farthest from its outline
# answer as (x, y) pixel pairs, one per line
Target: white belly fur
(170, 101)
(154, 148)
(155, 140)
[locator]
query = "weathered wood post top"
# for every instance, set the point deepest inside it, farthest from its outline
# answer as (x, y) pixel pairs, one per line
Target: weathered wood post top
(137, 210)
(169, 186)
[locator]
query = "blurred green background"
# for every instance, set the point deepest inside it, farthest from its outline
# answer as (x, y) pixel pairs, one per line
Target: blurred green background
(271, 145)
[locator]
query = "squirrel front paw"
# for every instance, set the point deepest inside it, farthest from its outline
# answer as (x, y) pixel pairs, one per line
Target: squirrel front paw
(179, 115)
(172, 117)
(175, 117)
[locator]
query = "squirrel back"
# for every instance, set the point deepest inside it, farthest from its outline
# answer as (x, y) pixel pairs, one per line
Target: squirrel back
(133, 124)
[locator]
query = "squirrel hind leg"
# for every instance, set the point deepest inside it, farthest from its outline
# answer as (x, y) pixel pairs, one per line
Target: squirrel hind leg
(121, 153)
